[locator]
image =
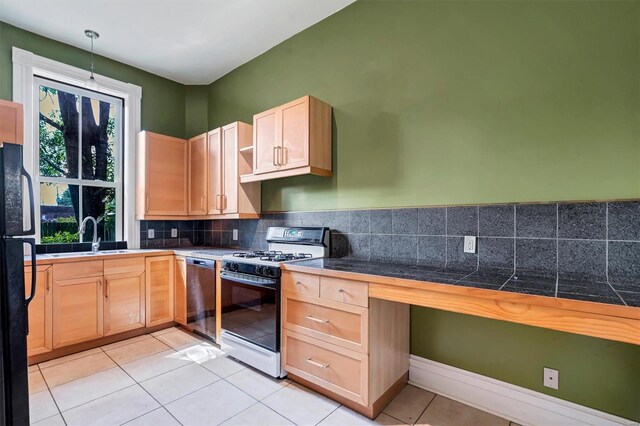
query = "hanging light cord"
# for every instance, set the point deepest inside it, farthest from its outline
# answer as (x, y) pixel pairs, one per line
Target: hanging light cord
(92, 55)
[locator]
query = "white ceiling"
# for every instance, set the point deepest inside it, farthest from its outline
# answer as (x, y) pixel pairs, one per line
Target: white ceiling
(189, 41)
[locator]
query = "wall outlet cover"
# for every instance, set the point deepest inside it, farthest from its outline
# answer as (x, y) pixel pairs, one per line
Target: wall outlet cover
(551, 378)
(469, 244)
(235, 235)
(174, 232)
(151, 233)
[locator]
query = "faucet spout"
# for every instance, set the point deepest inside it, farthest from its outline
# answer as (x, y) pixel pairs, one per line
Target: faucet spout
(95, 244)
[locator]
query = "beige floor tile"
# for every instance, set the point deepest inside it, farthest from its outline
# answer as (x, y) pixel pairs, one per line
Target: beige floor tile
(221, 365)
(77, 369)
(158, 417)
(113, 409)
(256, 384)
(41, 406)
(71, 357)
(145, 368)
(177, 383)
(300, 405)
(165, 330)
(33, 368)
(78, 392)
(257, 415)
(409, 404)
(51, 421)
(444, 411)
(211, 405)
(126, 342)
(178, 338)
(137, 350)
(36, 382)
(387, 420)
(346, 417)
(199, 350)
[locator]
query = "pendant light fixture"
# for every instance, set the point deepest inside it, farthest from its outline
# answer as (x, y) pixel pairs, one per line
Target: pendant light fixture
(91, 82)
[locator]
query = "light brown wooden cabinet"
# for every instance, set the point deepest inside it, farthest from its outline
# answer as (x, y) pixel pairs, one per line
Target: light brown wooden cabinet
(343, 344)
(180, 313)
(162, 179)
(11, 122)
(159, 274)
(229, 157)
(39, 339)
(198, 169)
(292, 139)
(124, 295)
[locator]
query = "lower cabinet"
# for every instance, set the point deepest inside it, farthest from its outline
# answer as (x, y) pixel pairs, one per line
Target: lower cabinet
(39, 339)
(159, 276)
(343, 344)
(77, 310)
(124, 295)
(180, 313)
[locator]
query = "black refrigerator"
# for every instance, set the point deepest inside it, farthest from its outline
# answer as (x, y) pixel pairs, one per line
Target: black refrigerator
(14, 383)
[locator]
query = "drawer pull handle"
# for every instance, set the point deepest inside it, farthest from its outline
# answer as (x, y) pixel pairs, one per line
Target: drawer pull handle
(341, 290)
(317, 364)
(299, 283)
(309, 317)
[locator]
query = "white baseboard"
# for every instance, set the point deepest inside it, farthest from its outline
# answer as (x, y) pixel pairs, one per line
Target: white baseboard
(503, 399)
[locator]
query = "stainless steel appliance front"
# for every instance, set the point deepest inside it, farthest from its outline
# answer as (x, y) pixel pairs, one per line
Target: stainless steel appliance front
(201, 296)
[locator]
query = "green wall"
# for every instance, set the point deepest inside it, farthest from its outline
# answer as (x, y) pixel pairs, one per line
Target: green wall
(447, 102)
(195, 108)
(163, 101)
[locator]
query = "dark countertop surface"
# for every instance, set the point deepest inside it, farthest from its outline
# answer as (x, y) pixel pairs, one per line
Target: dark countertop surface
(591, 290)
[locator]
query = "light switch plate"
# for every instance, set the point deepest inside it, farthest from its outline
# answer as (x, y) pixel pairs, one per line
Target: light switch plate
(235, 234)
(151, 233)
(469, 244)
(551, 378)
(174, 232)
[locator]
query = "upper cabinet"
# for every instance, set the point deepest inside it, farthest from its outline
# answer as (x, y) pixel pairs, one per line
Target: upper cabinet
(292, 139)
(161, 176)
(11, 122)
(198, 175)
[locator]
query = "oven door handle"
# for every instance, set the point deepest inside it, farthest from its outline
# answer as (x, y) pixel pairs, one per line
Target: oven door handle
(270, 285)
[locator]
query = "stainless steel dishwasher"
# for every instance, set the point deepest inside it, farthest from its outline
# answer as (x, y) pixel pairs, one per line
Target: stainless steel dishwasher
(201, 296)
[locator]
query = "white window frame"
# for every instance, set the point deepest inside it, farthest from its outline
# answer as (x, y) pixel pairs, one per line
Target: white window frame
(81, 182)
(26, 68)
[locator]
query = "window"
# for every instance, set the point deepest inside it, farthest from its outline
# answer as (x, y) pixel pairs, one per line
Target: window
(79, 162)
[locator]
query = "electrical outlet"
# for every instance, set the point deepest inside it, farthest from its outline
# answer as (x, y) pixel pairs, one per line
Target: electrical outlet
(235, 235)
(551, 378)
(174, 232)
(151, 233)
(469, 244)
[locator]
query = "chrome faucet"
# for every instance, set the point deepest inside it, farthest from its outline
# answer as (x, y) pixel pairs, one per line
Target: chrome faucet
(95, 244)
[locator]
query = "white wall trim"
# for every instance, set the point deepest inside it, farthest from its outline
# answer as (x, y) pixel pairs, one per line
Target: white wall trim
(515, 403)
(26, 65)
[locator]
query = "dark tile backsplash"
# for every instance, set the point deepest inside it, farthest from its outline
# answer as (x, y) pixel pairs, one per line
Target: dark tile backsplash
(570, 240)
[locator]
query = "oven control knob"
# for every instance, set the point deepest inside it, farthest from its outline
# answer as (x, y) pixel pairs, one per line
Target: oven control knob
(259, 269)
(233, 266)
(268, 271)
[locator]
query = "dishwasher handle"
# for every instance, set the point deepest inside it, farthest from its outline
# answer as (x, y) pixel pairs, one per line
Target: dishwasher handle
(201, 263)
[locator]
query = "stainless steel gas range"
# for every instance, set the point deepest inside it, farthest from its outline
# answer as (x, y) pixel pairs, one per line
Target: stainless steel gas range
(250, 294)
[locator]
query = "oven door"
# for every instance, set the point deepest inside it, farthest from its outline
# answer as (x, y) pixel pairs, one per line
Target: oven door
(250, 308)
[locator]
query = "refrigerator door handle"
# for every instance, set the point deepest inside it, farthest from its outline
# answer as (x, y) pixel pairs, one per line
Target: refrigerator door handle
(34, 278)
(32, 219)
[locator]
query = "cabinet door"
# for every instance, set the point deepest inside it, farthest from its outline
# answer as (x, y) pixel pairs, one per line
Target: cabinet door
(294, 124)
(11, 122)
(230, 168)
(165, 175)
(181, 291)
(124, 303)
(265, 141)
(159, 290)
(198, 175)
(77, 310)
(39, 338)
(214, 172)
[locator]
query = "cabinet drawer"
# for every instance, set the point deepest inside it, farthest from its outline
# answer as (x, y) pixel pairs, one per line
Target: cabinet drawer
(345, 291)
(334, 368)
(297, 282)
(72, 270)
(126, 265)
(339, 324)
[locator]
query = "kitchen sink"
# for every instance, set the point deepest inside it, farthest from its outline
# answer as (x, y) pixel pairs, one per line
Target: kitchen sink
(88, 253)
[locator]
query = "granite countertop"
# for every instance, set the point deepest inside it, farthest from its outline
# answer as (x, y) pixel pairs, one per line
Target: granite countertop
(551, 286)
(213, 253)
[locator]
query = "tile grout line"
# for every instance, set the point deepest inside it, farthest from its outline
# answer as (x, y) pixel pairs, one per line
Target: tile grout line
(446, 236)
(515, 259)
(557, 249)
(606, 215)
(478, 238)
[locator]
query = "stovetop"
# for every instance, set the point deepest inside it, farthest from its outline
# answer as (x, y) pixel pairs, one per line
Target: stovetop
(272, 255)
